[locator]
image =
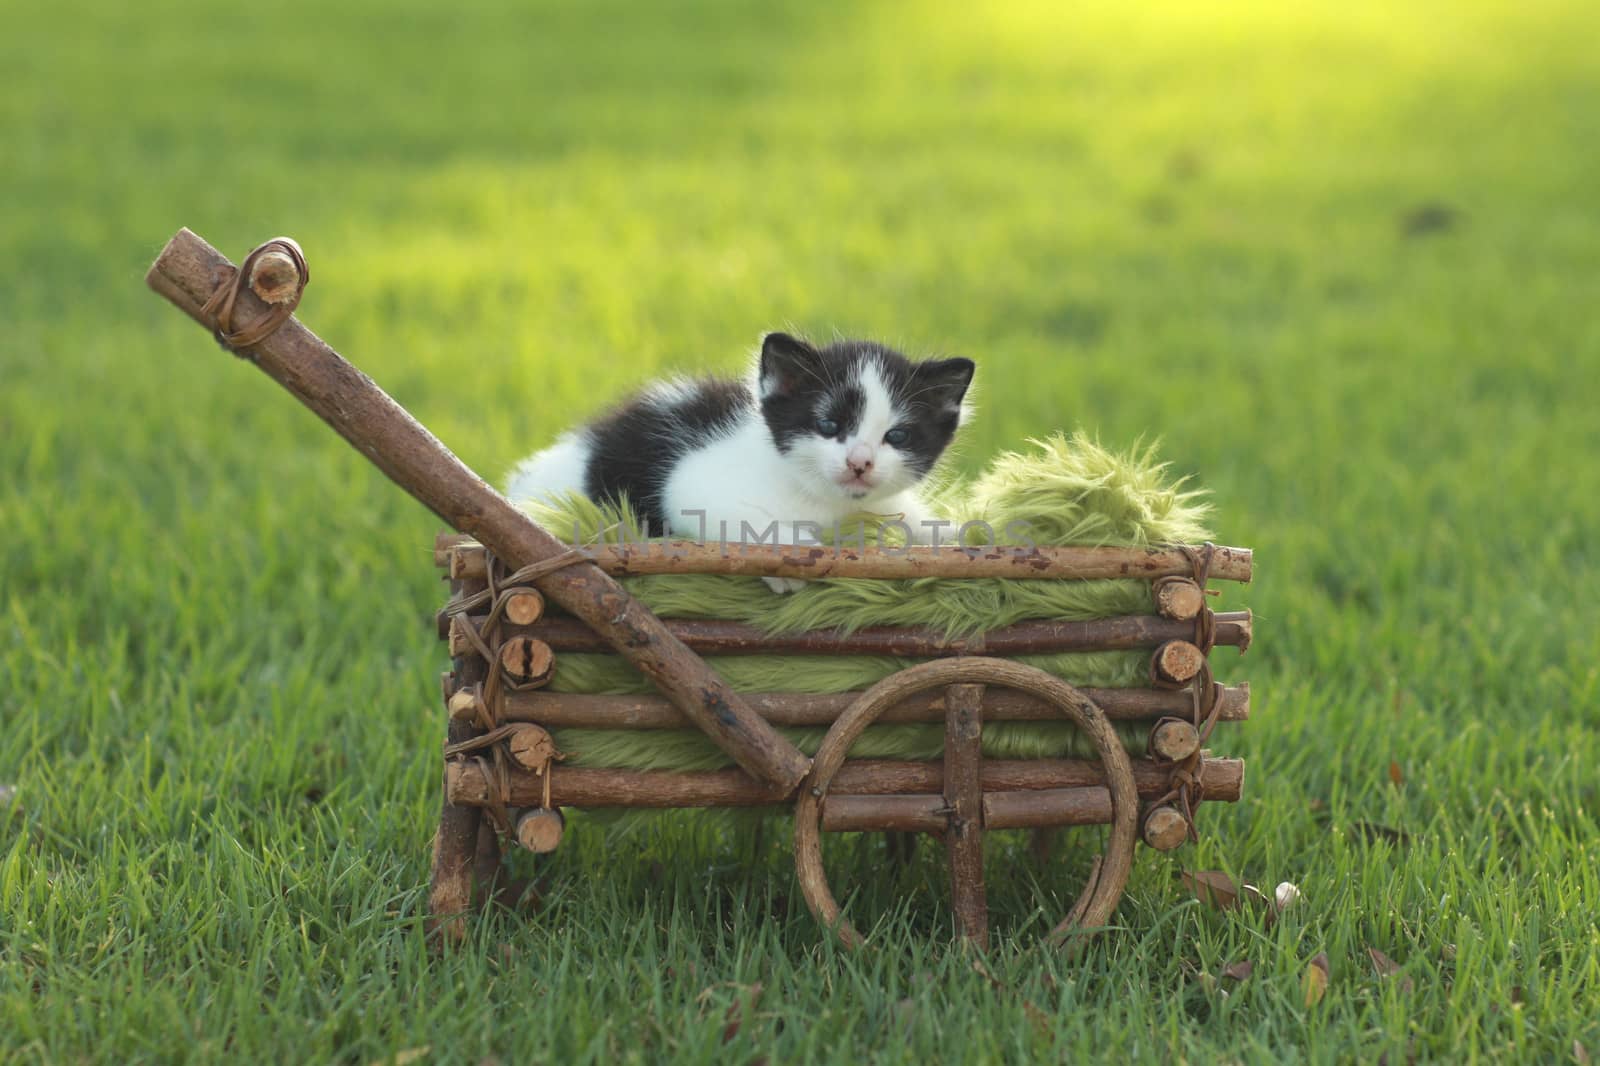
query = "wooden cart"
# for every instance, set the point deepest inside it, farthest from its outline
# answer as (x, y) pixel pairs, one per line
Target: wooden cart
(502, 781)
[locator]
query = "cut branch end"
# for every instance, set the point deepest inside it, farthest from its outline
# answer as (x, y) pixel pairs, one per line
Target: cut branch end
(1165, 828)
(539, 830)
(274, 277)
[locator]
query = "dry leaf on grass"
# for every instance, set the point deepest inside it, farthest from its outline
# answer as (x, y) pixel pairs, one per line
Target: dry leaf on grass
(1385, 967)
(1580, 1054)
(744, 1002)
(1213, 887)
(1397, 776)
(1383, 964)
(1316, 979)
(1217, 889)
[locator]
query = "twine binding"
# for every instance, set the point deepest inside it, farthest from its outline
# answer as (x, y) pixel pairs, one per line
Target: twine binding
(1186, 788)
(499, 591)
(218, 310)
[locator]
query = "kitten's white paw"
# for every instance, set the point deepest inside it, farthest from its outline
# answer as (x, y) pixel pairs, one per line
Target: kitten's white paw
(780, 585)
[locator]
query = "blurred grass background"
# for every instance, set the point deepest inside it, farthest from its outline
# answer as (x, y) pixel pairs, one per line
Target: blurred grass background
(1340, 259)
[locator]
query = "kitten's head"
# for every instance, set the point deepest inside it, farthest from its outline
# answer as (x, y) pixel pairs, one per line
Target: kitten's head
(861, 421)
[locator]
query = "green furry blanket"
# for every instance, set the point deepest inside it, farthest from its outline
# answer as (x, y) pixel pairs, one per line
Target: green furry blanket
(1064, 491)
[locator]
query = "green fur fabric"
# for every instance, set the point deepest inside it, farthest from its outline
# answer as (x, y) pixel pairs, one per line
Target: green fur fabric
(1065, 491)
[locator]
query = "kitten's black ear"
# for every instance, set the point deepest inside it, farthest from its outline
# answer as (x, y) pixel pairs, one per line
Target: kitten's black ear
(786, 364)
(946, 379)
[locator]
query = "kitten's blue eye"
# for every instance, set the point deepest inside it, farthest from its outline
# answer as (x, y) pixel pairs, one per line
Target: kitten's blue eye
(827, 427)
(896, 437)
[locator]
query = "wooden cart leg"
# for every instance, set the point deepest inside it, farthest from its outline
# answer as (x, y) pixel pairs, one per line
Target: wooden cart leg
(963, 794)
(455, 851)
(488, 872)
(457, 846)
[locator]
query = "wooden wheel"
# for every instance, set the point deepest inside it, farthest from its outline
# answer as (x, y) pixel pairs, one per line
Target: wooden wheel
(963, 801)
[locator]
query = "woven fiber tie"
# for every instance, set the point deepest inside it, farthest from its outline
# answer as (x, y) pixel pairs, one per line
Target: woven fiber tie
(218, 310)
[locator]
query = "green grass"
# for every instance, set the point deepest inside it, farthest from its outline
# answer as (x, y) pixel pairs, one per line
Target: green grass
(1340, 259)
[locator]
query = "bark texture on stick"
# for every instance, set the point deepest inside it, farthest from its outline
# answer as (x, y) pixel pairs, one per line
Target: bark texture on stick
(592, 787)
(916, 813)
(801, 561)
(1047, 808)
(189, 270)
(455, 847)
(444, 542)
(460, 856)
(469, 562)
(1032, 809)
(963, 797)
(459, 644)
(1021, 638)
(585, 711)
(488, 867)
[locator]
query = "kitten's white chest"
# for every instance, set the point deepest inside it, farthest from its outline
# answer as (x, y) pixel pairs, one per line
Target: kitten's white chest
(714, 490)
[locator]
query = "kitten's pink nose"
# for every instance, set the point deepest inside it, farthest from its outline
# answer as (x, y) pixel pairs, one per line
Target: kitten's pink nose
(860, 459)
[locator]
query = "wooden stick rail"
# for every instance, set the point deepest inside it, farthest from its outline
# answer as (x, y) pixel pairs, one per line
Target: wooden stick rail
(781, 560)
(572, 710)
(467, 783)
(1233, 629)
(1038, 809)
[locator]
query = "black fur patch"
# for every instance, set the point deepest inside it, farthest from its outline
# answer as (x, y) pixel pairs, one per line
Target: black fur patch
(635, 447)
(930, 402)
(802, 383)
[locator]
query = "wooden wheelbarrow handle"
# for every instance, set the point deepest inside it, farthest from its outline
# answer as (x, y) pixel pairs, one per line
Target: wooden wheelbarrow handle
(189, 271)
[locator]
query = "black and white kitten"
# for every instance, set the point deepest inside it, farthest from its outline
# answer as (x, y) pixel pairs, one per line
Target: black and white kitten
(816, 435)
